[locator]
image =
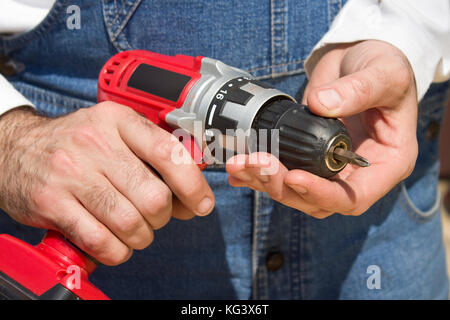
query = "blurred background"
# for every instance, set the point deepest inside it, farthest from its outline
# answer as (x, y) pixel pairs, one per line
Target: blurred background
(444, 184)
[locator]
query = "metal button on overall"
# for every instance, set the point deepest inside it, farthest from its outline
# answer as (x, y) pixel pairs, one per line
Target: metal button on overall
(274, 260)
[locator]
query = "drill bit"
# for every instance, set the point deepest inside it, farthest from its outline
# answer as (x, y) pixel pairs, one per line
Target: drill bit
(349, 156)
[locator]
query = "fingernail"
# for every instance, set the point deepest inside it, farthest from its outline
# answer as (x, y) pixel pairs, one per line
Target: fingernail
(330, 98)
(299, 189)
(205, 206)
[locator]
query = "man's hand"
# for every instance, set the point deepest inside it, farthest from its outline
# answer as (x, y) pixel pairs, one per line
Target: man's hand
(92, 176)
(371, 87)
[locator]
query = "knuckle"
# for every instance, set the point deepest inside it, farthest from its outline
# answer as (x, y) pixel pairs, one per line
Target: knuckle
(83, 113)
(128, 222)
(165, 146)
(108, 107)
(159, 201)
(403, 77)
(97, 242)
(112, 112)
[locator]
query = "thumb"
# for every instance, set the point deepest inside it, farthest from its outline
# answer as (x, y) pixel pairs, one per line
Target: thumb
(355, 93)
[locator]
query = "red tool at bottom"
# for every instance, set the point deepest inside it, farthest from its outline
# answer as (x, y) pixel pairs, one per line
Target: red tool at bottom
(53, 269)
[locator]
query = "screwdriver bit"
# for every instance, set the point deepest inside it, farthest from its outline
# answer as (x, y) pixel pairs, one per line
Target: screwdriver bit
(350, 157)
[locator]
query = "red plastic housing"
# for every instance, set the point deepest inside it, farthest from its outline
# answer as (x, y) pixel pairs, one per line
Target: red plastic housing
(39, 268)
(113, 86)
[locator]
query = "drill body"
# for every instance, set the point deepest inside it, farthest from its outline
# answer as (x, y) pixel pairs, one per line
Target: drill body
(218, 111)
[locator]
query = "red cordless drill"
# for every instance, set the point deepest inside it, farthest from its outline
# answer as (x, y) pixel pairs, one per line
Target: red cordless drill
(206, 103)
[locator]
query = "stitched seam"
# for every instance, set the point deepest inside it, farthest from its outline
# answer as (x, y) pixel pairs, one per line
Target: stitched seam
(126, 41)
(117, 10)
(115, 26)
(128, 17)
(115, 20)
(272, 31)
(277, 65)
(421, 214)
(281, 74)
(106, 14)
(285, 49)
(263, 277)
(294, 248)
(255, 254)
(278, 34)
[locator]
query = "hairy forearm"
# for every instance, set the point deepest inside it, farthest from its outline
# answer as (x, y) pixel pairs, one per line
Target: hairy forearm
(18, 132)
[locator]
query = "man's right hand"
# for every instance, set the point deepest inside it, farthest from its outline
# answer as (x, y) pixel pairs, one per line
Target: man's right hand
(91, 175)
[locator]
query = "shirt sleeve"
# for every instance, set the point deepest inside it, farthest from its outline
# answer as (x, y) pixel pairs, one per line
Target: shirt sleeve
(10, 98)
(420, 29)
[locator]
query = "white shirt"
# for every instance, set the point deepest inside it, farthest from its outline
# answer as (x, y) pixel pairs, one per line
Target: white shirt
(18, 16)
(419, 28)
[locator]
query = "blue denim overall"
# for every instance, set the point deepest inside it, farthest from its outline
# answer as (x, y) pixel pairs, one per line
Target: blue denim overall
(250, 246)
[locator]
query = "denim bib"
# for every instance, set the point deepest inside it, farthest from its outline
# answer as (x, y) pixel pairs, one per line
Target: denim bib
(250, 246)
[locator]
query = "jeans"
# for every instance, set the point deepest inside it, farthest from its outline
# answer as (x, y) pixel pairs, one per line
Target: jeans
(249, 247)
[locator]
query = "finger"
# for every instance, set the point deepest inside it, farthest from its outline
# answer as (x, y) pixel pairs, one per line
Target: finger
(373, 86)
(326, 70)
(350, 195)
(180, 211)
(264, 177)
(237, 183)
(168, 156)
(70, 218)
(111, 208)
(141, 186)
(242, 176)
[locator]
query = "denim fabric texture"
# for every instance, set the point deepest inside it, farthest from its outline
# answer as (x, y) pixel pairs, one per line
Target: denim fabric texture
(223, 255)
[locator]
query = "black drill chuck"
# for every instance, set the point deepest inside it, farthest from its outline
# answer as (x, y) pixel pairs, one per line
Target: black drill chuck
(306, 141)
